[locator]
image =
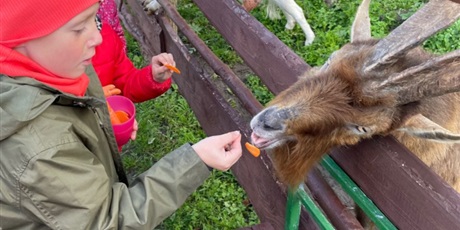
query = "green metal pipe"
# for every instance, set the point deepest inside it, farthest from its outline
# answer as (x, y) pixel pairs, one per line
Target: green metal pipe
(372, 211)
(311, 207)
(292, 211)
(296, 198)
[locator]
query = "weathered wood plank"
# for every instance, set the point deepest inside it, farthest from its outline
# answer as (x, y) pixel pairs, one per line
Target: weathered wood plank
(400, 184)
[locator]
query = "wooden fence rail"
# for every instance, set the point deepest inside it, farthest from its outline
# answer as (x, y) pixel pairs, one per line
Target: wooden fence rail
(405, 189)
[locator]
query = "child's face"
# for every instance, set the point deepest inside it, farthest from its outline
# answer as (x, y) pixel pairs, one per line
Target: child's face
(67, 51)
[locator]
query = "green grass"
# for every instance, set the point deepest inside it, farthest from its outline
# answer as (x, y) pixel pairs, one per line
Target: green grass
(167, 122)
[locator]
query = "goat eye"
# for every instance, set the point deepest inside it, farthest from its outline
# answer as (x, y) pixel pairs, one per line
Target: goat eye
(361, 129)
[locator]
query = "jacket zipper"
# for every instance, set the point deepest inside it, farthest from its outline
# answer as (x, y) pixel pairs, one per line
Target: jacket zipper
(115, 155)
(98, 117)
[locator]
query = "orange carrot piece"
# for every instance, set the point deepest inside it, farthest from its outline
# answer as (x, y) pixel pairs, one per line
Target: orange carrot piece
(117, 117)
(172, 68)
(252, 149)
(122, 116)
(113, 117)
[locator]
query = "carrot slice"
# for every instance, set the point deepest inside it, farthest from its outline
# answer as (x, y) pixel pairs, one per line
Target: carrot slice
(252, 149)
(122, 116)
(172, 68)
(113, 117)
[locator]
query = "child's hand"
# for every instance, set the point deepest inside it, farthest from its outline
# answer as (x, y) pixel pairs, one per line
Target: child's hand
(135, 128)
(110, 90)
(220, 152)
(159, 72)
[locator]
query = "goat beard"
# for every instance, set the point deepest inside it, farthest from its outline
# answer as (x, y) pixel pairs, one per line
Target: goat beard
(295, 159)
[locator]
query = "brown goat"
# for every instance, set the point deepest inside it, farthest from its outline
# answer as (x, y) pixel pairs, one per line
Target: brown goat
(372, 87)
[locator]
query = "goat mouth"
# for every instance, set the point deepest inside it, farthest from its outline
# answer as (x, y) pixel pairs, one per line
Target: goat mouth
(267, 145)
(262, 143)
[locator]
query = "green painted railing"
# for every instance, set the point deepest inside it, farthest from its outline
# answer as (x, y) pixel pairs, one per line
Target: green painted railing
(298, 196)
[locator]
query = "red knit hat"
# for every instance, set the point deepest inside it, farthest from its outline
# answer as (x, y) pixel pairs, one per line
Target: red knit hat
(24, 20)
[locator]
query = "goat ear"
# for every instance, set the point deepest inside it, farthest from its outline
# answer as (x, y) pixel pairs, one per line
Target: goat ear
(422, 127)
(361, 28)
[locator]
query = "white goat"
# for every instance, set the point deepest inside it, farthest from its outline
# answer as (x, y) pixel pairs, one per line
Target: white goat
(291, 10)
(150, 5)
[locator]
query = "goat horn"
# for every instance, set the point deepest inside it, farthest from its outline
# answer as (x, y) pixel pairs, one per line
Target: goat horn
(361, 28)
(433, 17)
(437, 76)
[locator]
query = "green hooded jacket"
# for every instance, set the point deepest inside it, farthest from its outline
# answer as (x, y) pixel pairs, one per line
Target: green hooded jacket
(60, 168)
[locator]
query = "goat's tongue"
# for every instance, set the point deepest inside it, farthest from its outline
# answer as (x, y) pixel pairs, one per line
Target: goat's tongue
(257, 140)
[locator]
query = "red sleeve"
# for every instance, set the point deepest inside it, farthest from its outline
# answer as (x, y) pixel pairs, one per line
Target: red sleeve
(114, 67)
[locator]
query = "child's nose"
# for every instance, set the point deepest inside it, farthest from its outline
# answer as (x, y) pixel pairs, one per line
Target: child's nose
(96, 39)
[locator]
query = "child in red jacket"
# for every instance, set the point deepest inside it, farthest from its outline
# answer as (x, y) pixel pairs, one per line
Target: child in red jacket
(108, 12)
(114, 67)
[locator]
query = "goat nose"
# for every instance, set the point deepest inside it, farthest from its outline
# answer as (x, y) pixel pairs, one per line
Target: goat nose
(274, 118)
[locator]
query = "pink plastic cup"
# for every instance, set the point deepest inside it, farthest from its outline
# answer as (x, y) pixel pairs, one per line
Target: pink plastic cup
(124, 130)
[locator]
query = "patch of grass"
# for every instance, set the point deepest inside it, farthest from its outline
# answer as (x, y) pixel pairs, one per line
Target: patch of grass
(134, 51)
(219, 204)
(258, 89)
(445, 41)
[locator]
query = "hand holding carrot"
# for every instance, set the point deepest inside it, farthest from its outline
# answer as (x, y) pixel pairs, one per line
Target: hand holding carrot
(220, 152)
(160, 72)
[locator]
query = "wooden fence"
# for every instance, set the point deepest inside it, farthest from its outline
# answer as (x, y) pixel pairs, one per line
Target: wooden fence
(403, 188)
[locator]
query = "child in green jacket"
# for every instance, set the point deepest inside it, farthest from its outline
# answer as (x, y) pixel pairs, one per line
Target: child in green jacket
(59, 167)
